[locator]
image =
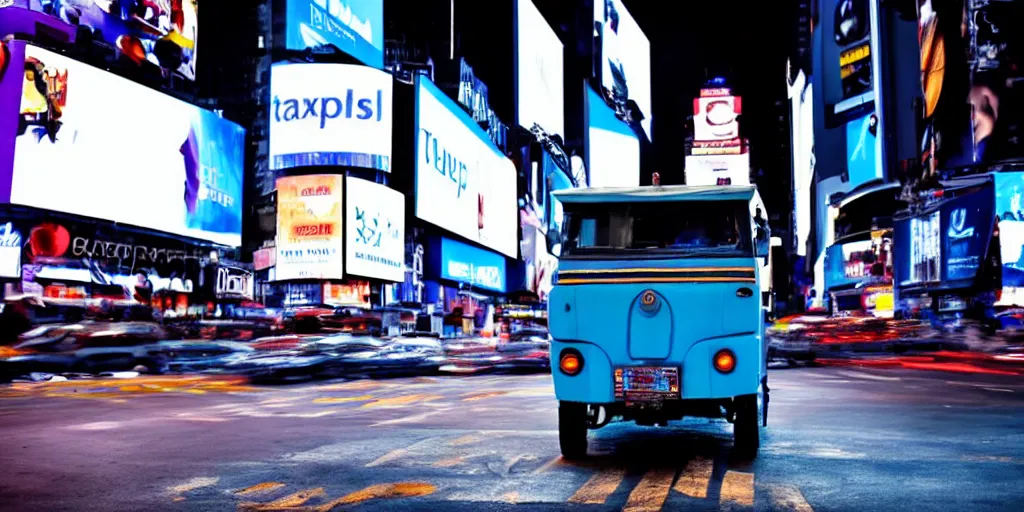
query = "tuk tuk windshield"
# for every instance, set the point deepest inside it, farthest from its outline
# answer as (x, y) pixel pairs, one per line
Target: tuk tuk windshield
(672, 229)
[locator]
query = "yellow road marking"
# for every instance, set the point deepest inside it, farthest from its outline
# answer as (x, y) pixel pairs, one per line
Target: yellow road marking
(599, 487)
(291, 501)
(470, 397)
(401, 400)
(694, 480)
(787, 497)
(510, 497)
(388, 457)
(649, 495)
(738, 487)
(359, 385)
(467, 439)
(548, 465)
(342, 399)
(380, 491)
(260, 488)
(193, 484)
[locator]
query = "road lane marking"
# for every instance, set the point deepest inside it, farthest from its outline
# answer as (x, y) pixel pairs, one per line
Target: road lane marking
(650, 494)
(738, 487)
(694, 480)
(1001, 390)
(599, 487)
(193, 484)
(548, 465)
(472, 397)
(398, 401)
(291, 501)
(409, 419)
(789, 498)
(868, 376)
(340, 399)
(259, 488)
(388, 457)
(380, 491)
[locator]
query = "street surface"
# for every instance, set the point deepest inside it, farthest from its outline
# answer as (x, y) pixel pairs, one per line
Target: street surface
(838, 439)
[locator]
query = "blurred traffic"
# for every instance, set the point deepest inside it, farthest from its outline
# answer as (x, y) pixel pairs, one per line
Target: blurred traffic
(265, 345)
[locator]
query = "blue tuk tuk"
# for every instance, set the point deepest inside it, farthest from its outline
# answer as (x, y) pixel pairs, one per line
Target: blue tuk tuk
(658, 309)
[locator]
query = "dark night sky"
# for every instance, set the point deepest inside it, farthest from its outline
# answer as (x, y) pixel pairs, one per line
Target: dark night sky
(743, 40)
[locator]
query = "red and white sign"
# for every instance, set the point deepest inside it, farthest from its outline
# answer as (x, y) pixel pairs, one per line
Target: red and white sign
(716, 118)
(264, 258)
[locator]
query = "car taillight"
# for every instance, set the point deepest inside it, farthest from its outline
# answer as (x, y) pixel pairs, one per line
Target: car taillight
(570, 362)
(725, 361)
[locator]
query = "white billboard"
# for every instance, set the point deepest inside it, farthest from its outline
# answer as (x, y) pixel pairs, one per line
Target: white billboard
(92, 143)
(718, 169)
(463, 182)
(613, 150)
(330, 114)
(540, 96)
(626, 57)
(375, 230)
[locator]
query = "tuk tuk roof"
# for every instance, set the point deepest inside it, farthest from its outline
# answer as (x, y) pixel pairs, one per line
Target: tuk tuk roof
(656, 194)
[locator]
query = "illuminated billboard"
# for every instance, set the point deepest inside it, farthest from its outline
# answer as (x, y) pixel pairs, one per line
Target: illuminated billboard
(718, 170)
(971, 82)
(716, 117)
(355, 27)
(330, 114)
(160, 33)
(613, 150)
(540, 96)
(464, 183)
(625, 58)
(375, 232)
(91, 143)
(309, 227)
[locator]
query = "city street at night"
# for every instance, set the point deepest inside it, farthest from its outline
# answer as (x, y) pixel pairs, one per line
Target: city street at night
(839, 438)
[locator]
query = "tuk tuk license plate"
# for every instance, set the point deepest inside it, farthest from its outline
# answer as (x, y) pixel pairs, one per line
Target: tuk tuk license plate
(646, 383)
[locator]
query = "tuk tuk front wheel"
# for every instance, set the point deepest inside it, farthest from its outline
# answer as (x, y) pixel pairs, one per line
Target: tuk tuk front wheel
(572, 429)
(747, 426)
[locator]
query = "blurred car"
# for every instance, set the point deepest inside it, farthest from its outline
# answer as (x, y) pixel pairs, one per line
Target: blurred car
(196, 355)
(89, 347)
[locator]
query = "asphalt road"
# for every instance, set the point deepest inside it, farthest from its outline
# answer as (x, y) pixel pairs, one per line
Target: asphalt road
(838, 439)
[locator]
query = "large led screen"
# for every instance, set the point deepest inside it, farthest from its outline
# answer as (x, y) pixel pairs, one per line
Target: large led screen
(330, 114)
(355, 27)
(972, 80)
(613, 150)
(91, 143)
(463, 182)
(862, 148)
(625, 57)
(718, 169)
(375, 238)
(540, 94)
(159, 32)
(716, 117)
(309, 227)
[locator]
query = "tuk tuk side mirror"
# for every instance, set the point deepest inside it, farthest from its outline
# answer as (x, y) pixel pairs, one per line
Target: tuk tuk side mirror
(761, 243)
(554, 243)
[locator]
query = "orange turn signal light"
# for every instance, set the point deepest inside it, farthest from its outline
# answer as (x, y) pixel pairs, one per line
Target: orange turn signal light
(725, 361)
(571, 362)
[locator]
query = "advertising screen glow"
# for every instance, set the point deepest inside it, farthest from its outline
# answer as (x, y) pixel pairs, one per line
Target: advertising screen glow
(309, 226)
(467, 264)
(539, 75)
(143, 31)
(710, 169)
(375, 238)
(716, 118)
(94, 144)
(330, 114)
(925, 249)
(355, 27)
(613, 150)
(861, 150)
(463, 182)
(626, 57)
